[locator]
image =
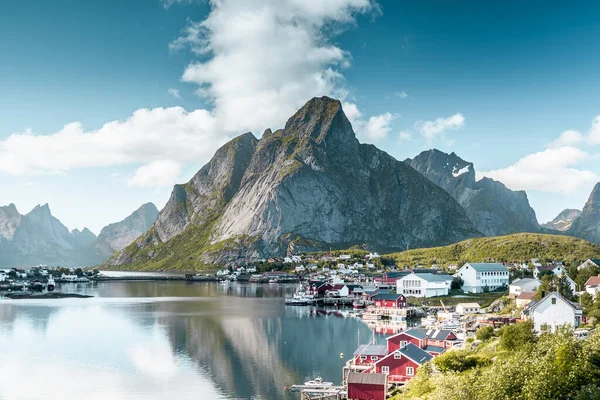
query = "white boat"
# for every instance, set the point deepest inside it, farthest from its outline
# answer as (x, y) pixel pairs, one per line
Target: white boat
(51, 285)
(430, 319)
(318, 382)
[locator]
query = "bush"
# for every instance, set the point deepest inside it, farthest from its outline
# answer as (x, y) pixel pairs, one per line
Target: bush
(485, 333)
(514, 337)
(457, 283)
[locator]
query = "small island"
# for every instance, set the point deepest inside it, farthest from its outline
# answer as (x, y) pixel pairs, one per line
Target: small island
(48, 295)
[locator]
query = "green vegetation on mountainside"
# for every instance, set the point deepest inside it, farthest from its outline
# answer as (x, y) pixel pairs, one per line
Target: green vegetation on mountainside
(519, 247)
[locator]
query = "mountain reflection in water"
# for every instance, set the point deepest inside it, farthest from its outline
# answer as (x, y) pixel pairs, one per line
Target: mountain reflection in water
(175, 340)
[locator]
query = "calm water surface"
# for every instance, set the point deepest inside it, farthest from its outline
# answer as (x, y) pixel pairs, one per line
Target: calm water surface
(169, 340)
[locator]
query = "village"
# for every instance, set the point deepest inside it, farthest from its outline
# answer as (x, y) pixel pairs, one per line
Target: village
(425, 312)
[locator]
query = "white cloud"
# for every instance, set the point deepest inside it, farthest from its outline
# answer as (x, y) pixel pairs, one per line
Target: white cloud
(550, 170)
(268, 57)
(405, 135)
(261, 61)
(168, 3)
(432, 130)
(402, 94)
(567, 138)
(156, 174)
(147, 136)
(174, 93)
(594, 132)
(378, 126)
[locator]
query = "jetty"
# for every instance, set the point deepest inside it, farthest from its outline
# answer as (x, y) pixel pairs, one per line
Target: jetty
(319, 392)
(48, 295)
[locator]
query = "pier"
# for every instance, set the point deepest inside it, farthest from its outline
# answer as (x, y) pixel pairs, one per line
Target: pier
(319, 392)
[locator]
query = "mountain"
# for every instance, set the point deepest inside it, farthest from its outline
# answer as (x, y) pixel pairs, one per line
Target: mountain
(587, 225)
(309, 186)
(563, 221)
(39, 238)
(518, 247)
(492, 207)
(119, 234)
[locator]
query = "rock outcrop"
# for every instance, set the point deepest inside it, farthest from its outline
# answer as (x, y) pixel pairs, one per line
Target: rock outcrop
(563, 221)
(492, 207)
(309, 186)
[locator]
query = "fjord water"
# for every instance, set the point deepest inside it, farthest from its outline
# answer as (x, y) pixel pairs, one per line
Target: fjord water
(169, 340)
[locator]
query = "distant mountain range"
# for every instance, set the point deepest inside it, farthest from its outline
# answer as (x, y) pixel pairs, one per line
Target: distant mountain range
(308, 187)
(563, 221)
(39, 238)
(492, 207)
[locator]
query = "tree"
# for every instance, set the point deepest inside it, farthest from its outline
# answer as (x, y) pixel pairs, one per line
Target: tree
(457, 283)
(12, 274)
(485, 333)
(514, 337)
(78, 271)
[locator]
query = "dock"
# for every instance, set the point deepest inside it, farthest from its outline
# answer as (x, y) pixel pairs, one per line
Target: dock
(319, 392)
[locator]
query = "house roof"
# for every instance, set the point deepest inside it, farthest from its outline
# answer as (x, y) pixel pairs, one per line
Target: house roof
(572, 304)
(487, 267)
(595, 261)
(367, 379)
(526, 296)
(546, 267)
(439, 334)
(470, 305)
(387, 296)
(523, 281)
(415, 353)
(371, 350)
(435, 349)
(429, 277)
(416, 333)
(396, 274)
(593, 281)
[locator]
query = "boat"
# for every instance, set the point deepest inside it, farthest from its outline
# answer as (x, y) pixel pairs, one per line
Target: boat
(300, 298)
(17, 286)
(318, 381)
(295, 302)
(271, 281)
(51, 285)
(430, 319)
(36, 285)
(225, 282)
(358, 304)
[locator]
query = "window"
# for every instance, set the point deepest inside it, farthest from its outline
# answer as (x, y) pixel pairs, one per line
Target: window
(374, 358)
(554, 300)
(397, 356)
(403, 343)
(410, 371)
(385, 370)
(363, 358)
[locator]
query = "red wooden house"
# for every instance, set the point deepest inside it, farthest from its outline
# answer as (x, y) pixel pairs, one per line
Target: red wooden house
(401, 365)
(433, 341)
(368, 354)
(367, 386)
(389, 300)
(389, 278)
(318, 288)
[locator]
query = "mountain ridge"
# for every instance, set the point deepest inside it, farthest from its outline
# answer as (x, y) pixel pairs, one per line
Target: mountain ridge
(310, 185)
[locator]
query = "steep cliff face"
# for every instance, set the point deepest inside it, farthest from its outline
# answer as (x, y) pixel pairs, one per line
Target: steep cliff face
(308, 186)
(10, 219)
(563, 221)
(492, 207)
(587, 225)
(119, 234)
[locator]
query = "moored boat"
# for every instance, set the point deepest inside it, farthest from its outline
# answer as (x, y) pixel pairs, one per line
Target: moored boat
(51, 285)
(318, 381)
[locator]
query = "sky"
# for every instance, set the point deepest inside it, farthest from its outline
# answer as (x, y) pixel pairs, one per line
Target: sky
(104, 105)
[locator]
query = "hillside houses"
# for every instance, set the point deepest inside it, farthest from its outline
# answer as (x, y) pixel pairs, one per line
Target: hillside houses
(424, 285)
(552, 312)
(523, 285)
(592, 286)
(402, 355)
(590, 262)
(478, 277)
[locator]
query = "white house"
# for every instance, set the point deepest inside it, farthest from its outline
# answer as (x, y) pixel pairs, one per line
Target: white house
(592, 286)
(536, 262)
(523, 285)
(2, 276)
(552, 312)
(468, 308)
(591, 262)
(344, 257)
(477, 276)
(371, 256)
(557, 270)
(423, 285)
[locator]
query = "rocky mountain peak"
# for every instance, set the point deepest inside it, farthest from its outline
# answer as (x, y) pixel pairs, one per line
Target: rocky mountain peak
(120, 234)
(587, 225)
(563, 221)
(594, 199)
(322, 120)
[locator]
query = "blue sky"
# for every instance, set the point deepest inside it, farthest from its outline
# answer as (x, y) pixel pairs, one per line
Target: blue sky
(496, 82)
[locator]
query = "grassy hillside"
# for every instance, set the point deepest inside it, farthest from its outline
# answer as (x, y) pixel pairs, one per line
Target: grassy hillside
(519, 247)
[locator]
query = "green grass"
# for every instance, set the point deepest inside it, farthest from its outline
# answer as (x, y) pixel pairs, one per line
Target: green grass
(519, 247)
(483, 299)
